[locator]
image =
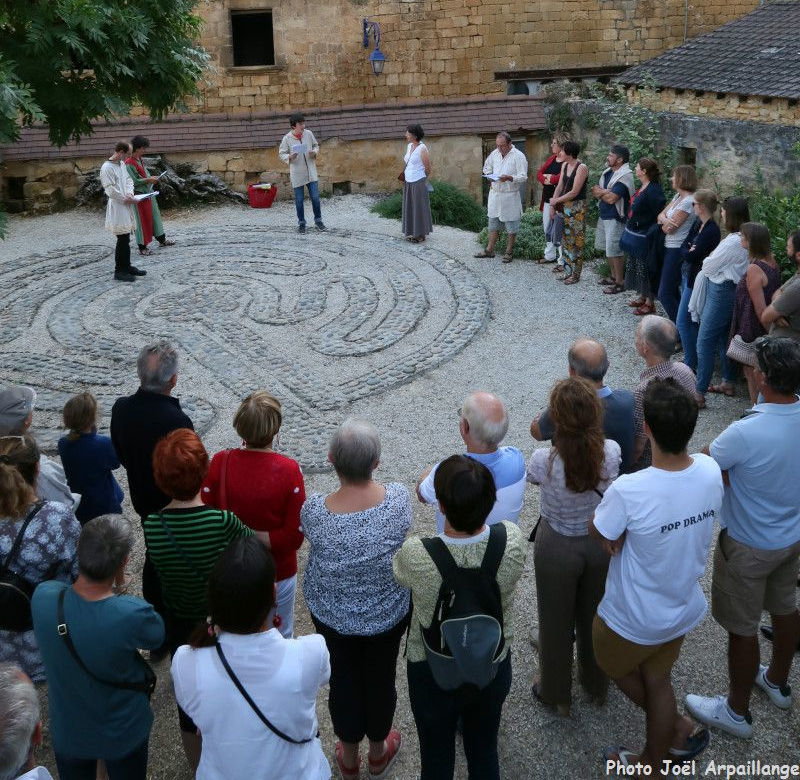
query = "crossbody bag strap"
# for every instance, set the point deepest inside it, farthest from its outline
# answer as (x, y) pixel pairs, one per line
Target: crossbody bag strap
(146, 686)
(12, 553)
(178, 549)
(262, 717)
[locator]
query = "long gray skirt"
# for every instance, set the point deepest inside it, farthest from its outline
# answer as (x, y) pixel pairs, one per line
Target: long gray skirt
(417, 220)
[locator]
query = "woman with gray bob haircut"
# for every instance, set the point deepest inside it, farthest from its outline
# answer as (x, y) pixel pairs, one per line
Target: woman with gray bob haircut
(353, 598)
(96, 679)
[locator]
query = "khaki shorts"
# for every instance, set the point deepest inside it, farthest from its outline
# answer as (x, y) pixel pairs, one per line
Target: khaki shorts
(747, 581)
(607, 236)
(618, 656)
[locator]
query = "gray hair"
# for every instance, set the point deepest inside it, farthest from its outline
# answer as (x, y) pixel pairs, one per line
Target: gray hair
(504, 134)
(156, 365)
(355, 449)
(104, 544)
(19, 714)
(778, 359)
(594, 371)
(659, 334)
(487, 431)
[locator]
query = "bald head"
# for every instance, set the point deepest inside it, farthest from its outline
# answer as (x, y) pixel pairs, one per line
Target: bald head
(486, 418)
(588, 359)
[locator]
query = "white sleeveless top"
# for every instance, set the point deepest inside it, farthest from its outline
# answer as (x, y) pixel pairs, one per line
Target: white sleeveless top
(415, 170)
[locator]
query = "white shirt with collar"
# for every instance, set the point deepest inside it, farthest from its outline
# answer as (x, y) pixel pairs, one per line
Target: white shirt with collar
(505, 202)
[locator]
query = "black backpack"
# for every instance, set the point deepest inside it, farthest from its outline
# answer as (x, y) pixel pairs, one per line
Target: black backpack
(465, 637)
(16, 591)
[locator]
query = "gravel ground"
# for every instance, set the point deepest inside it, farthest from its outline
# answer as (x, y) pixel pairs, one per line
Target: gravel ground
(518, 353)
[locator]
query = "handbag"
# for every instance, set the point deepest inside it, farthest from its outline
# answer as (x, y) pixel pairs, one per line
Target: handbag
(15, 590)
(147, 685)
(402, 176)
(742, 351)
(633, 244)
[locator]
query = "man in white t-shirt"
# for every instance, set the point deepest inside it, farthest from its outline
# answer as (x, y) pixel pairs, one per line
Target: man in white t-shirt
(483, 424)
(657, 524)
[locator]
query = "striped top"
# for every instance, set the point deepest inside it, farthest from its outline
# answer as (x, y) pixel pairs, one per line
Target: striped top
(202, 533)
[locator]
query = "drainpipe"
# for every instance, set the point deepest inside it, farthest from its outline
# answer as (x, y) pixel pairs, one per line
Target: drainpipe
(686, 19)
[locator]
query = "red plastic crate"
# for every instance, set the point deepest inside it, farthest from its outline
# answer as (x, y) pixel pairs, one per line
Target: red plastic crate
(261, 198)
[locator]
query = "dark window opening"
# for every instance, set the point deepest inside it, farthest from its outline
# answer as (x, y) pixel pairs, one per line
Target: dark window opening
(687, 155)
(15, 187)
(342, 188)
(251, 33)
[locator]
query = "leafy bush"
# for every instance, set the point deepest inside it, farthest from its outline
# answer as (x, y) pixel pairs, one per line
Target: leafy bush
(449, 206)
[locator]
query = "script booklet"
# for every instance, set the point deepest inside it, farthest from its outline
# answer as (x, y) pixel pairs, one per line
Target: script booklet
(299, 149)
(145, 196)
(491, 176)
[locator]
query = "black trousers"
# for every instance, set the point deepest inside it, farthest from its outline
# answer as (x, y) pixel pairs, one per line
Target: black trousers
(122, 252)
(362, 694)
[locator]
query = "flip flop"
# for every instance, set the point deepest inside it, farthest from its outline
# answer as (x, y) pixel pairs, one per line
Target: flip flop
(621, 754)
(695, 744)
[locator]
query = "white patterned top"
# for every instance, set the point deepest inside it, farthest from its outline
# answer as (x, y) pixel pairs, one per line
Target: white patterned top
(348, 583)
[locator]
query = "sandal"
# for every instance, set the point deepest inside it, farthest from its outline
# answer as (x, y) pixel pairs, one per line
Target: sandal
(701, 401)
(146, 252)
(544, 261)
(695, 744)
(558, 268)
(618, 753)
(347, 772)
(636, 303)
(507, 258)
(614, 288)
(561, 709)
(484, 254)
(645, 309)
(571, 279)
(380, 768)
(167, 242)
(723, 388)
(605, 280)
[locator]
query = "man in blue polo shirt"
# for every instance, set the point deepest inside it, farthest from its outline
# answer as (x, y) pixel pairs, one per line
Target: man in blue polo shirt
(757, 557)
(483, 424)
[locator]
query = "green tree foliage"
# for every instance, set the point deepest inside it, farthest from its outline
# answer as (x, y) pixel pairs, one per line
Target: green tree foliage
(67, 62)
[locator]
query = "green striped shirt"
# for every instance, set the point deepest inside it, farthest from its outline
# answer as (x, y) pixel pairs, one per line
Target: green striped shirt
(202, 533)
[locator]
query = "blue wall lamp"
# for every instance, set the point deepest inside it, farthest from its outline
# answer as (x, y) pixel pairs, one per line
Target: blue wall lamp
(376, 58)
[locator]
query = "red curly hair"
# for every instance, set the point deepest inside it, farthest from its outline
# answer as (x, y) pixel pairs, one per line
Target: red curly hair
(180, 464)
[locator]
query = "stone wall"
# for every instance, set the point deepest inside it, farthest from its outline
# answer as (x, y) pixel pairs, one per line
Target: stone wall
(436, 48)
(719, 105)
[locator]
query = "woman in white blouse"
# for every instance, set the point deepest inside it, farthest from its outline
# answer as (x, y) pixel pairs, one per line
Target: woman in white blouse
(723, 269)
(417, 222)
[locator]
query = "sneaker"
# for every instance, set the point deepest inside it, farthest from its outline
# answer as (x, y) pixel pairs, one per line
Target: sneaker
(136, 271)
(301, 228)
(320, 226)
(714, 711)
(780, 696)
(124, 276)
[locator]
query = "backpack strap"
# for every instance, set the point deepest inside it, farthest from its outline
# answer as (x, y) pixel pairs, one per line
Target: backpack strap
(12, 553)
(440, 555)
(494, 550)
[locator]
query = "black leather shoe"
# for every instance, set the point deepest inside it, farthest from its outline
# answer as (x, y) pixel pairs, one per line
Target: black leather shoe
(301, 228)
(136, 271)
(124, 276)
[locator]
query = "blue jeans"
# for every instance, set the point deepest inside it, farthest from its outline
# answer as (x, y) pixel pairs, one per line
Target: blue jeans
(687, 327)
(669, 287)
(313, 192)
(712, 337)
(130, 767)
(436, 713)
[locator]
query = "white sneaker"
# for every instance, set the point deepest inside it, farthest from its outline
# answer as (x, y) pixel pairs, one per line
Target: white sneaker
(714, 711)
(779, 696)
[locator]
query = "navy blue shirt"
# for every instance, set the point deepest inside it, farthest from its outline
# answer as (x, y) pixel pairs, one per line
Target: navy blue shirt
(609, 210)
(88, 462)
(697, 246)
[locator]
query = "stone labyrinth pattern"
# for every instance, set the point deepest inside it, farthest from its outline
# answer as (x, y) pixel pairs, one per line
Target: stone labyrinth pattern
(322, 321)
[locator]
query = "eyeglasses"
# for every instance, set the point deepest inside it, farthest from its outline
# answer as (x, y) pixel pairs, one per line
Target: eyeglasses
(460, 411)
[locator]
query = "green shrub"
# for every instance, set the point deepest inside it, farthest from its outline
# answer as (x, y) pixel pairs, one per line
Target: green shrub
(449, 206)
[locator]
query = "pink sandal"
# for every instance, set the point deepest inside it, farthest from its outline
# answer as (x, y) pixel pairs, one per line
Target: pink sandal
(347, 772)
(379, 769)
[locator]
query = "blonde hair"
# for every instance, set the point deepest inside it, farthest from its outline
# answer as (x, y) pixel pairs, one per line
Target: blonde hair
(19, 459)
(80, 413)
(258, 419)
(708, 199)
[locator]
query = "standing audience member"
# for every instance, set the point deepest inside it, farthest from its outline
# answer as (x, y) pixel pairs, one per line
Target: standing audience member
(548, 176)
(655, 342)
(753, 294)
(16, 418)
(570, 567)
(465, 491)
(507, 170)
(483, 424)
(89, 460)
(90, 637)
(265, 490)
(184, 540)
(757, 557)
(782, 316)
(614, 195)
(570, 194)
(588, 360)
(45, 534)
(353, 599)
(721, 272)
(278, 679)
(702, 240)
(138, 421)
(20, 726)
(120, 220)
(646, 204)
(299, 149)
(417, 222)
(148, 215)
(657, 525)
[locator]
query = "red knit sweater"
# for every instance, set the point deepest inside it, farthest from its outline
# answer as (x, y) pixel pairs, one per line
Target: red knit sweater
(265, 490)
